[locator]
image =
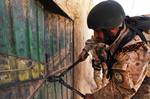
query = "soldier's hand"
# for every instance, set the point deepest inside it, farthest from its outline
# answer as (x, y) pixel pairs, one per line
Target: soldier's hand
(83, 55)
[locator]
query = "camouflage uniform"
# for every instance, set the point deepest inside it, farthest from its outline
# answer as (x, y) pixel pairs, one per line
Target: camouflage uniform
(100, 66)
(129, 70)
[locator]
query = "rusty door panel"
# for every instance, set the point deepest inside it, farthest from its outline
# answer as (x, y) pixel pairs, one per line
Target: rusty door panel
(21, 40)
(58, 50)
(19, 27)
(5, 28)
(22, 29)
(40, 29)
(22, 91)
(69, 42)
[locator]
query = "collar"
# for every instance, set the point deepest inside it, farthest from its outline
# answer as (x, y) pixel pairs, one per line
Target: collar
(124, 31)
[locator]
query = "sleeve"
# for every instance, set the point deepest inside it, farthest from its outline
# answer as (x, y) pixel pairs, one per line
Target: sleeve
(128, 74)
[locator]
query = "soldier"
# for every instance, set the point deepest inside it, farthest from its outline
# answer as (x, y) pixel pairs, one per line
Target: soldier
(119, 44)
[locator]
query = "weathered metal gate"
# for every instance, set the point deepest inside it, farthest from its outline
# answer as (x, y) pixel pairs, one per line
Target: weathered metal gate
(33, 42)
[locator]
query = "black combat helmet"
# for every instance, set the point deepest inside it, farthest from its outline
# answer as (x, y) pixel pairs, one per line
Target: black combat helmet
(106, 14)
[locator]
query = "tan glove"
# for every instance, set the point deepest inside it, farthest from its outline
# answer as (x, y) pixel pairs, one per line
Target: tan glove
(83, 55)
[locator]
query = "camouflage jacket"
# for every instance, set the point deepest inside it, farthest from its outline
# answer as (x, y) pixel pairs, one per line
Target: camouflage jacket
(129, 70)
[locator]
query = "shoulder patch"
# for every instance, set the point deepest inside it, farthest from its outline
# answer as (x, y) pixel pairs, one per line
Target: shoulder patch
(118, 77)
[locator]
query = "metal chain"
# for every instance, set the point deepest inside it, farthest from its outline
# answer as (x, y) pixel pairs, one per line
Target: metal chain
(58, 78)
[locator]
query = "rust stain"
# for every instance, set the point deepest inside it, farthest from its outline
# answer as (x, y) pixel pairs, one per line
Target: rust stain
(7, 3)
(24, 4)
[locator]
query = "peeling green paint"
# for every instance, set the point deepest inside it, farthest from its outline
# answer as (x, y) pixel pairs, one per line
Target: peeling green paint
(28, 32)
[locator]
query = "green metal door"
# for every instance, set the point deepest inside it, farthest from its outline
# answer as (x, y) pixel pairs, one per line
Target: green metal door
(30, 34)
